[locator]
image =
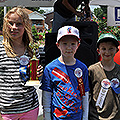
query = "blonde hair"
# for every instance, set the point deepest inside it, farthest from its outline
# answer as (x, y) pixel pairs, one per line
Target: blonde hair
(27, 36)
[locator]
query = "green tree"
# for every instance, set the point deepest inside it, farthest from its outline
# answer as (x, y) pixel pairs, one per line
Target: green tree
(33, 8)
(101, 12)
(35, 34)
(41, 11)
(101, 19)
(1, 17)
(36, 9)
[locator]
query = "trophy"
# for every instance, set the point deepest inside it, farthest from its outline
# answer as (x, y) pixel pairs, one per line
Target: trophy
(34, 62)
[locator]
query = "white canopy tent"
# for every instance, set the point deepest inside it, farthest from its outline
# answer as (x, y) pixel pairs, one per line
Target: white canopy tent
(27, 3)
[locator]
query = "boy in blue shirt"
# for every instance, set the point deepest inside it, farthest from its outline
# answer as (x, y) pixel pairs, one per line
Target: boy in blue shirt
(65, 81)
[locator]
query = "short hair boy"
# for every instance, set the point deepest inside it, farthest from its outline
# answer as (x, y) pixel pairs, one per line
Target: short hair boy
(104, 81)
(65, 81)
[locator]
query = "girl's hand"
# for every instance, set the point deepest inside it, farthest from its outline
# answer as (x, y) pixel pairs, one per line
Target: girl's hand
(40, 71)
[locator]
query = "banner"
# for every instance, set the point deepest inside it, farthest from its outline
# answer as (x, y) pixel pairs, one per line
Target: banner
(27, 3)
(113, 16)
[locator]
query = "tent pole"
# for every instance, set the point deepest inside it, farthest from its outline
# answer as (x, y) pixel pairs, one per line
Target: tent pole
(5, 10)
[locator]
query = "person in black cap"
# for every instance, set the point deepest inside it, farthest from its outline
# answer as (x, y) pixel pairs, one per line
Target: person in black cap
(65, 10)
(104, 78)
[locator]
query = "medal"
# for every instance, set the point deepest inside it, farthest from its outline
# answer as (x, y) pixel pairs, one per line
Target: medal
(24, 60)
(114, 83)
(105, 83)
(78, 72)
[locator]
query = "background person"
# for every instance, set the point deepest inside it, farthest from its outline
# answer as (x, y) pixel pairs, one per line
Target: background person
(65, 10)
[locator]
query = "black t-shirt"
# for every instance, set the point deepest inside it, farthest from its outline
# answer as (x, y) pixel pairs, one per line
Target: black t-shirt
(63, 11)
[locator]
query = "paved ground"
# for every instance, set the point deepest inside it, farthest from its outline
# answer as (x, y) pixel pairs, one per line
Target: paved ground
(40, 102)
(40, 117)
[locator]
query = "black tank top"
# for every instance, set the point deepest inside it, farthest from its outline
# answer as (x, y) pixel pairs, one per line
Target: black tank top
(63, 11)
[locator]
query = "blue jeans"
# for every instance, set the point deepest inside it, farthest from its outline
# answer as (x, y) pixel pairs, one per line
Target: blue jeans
(58, 20)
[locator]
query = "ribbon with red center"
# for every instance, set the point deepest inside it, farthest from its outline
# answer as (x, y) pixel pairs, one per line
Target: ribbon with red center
(78, 74)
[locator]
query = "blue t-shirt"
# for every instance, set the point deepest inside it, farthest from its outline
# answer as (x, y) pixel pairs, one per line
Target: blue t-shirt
(61, 81)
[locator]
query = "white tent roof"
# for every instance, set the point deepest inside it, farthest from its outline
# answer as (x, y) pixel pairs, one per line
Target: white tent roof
(105, 2)
(37, 16)
(27, 3)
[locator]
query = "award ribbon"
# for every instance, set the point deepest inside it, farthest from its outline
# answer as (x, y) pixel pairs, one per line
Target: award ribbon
(81, 86)
(105, 85)
(116, 90)
(103, 92)
(114, 84)
(24, 60)
(23, 72)
(101, 97)
(78, 74)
